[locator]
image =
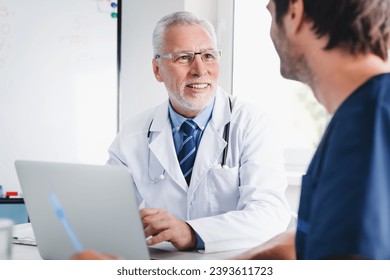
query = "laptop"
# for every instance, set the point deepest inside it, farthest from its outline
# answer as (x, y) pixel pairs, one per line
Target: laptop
(98, 201)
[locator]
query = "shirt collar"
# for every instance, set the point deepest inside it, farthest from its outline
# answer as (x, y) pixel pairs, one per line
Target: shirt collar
(201, 120)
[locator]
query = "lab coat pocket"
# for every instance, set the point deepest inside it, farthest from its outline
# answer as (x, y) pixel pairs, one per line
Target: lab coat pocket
(223, 189)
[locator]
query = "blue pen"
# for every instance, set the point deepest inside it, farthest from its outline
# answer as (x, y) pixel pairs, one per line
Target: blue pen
(61, 216)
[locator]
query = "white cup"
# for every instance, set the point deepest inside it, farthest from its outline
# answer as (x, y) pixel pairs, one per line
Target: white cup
(6, 226)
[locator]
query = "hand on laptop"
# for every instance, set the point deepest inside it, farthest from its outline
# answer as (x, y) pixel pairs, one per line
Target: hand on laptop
(161, 225)
(93, 255)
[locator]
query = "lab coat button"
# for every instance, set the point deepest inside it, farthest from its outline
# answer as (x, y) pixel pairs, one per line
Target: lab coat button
(190, 203)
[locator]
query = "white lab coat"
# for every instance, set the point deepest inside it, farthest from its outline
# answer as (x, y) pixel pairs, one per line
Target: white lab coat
(230, 208)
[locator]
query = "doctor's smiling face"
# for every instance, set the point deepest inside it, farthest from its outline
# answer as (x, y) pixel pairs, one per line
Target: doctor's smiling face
(191, 82)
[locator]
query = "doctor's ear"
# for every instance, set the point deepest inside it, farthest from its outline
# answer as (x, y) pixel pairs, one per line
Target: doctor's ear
(156, 70)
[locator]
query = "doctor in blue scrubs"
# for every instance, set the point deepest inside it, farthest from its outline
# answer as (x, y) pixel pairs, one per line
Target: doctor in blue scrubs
(341, 52)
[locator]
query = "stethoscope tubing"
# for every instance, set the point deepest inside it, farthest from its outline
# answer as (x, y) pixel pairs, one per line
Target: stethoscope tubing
(226, 136)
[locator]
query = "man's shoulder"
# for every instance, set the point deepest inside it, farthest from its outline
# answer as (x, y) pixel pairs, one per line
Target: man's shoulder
(139, 116)
(138, 122)
(240, 107)
(243, 111)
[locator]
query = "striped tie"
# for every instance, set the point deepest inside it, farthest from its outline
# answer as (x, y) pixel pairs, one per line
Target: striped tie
(187, 153)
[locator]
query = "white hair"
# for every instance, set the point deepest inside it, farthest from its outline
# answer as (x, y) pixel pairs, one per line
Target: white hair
(179, 18)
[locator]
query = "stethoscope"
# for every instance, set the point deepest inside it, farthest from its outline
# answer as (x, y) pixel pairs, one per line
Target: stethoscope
(226, 135)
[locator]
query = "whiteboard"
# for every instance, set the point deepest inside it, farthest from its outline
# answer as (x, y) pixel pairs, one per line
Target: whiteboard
(58, 82)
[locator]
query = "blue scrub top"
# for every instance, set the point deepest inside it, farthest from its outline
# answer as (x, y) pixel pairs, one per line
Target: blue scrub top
(345, 199)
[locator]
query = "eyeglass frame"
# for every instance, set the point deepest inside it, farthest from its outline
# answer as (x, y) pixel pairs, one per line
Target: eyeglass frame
(191, 54)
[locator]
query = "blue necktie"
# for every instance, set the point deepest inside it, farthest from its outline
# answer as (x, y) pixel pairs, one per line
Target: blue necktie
(187, 152)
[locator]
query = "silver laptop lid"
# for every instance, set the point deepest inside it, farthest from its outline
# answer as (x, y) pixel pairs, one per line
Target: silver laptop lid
(99, 203)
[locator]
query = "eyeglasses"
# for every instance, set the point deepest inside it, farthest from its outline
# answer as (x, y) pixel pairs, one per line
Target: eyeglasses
(186, 58)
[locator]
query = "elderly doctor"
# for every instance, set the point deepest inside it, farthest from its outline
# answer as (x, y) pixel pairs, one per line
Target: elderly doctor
(207, 168)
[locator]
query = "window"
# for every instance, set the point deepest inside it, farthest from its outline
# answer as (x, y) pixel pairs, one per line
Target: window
(256, 78)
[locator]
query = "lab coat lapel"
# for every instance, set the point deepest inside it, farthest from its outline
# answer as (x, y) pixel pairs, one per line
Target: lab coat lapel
(162, 146)
(212, 142)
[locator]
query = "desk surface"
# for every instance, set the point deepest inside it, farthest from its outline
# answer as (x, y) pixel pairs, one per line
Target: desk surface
(162, 251)
(25, 252)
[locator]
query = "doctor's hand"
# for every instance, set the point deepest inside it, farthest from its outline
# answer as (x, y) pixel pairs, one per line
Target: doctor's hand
(161, 225)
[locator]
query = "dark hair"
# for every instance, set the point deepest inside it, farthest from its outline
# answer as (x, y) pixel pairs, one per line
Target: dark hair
(359, 26)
